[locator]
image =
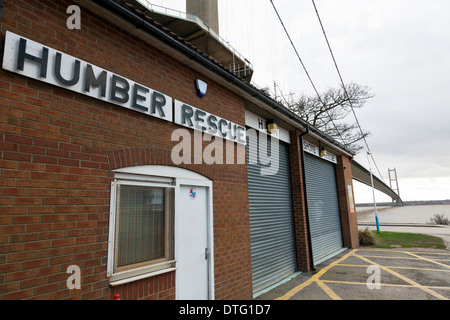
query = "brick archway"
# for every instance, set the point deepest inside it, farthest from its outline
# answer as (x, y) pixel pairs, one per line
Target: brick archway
(131, 157)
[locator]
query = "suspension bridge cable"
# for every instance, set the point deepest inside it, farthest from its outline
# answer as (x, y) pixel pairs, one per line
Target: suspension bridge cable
(344, 88)
(306, 71)
(295, 49)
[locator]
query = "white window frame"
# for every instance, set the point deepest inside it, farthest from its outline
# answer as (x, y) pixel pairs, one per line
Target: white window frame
(158, 176)
(138, 273)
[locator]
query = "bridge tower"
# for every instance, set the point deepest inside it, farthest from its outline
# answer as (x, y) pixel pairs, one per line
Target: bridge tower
(393, 181)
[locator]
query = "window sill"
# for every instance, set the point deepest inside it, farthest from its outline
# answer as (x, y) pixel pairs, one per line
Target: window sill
(115, 283)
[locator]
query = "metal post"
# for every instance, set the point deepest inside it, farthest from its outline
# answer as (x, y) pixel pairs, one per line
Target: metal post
(373, 192)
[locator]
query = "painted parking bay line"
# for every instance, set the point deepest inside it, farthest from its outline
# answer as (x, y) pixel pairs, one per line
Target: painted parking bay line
(327, 290)
(315, 278)
(429, 260)
(365, 284)
(340, 262)
(390, 267)
(431, 253)
(411, 282)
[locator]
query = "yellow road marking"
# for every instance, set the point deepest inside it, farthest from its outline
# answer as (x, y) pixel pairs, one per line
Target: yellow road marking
(411, 283)
(439, 288)
(398, 275)
(328, 291)
(353, 265)
(365, 283)
(438, 253)
(381, 250)
(391, 267)
(429, 260)
(314, 278)
(425, 269)
(296, 290)
(387, 257)
(382, 284)
(392, 250)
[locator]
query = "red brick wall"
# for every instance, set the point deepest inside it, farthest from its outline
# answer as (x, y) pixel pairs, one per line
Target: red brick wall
(348, 219)
(58, 149)
(299, 204)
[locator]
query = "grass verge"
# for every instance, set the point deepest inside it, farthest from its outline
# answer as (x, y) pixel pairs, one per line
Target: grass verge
(407, 240)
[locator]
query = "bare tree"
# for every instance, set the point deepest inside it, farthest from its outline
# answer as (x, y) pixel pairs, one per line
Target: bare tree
(330, 112)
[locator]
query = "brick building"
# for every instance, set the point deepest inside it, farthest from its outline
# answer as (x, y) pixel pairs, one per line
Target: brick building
(93, 183)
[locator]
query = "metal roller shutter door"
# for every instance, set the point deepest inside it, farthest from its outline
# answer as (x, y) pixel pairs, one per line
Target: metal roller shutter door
(271, 220)
(323, 207)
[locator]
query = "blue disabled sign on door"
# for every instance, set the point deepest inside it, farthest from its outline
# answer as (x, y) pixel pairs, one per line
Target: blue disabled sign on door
(192, 194)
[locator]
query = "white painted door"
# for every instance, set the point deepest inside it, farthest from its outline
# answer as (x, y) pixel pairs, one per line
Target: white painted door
(192, 243)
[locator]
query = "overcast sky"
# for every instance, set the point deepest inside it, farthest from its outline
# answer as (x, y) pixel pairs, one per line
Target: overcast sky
(398, 48)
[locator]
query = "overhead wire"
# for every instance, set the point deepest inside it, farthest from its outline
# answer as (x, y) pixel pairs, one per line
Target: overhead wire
(304, 68)
(369, 152)
(295, 49)
(344, 88)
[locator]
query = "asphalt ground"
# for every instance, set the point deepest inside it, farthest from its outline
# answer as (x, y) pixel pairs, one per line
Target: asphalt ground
(372, 274)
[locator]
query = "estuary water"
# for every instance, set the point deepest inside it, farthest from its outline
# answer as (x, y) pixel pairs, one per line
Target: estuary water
(406, 214)
(410, 219)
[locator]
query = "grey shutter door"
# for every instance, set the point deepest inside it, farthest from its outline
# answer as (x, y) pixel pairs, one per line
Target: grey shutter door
(271, 219)
(323, 207)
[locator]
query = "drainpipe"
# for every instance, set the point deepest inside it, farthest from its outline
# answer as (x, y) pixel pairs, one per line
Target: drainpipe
(306, 199)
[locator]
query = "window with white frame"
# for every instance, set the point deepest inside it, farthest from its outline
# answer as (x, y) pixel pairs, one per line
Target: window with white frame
(141, 240)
